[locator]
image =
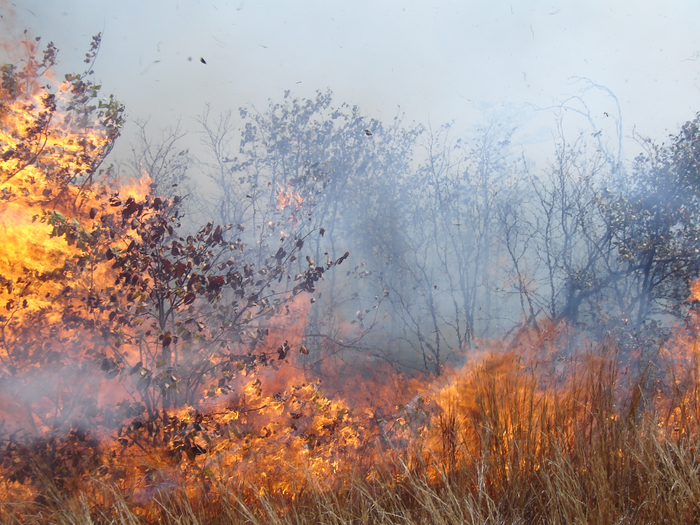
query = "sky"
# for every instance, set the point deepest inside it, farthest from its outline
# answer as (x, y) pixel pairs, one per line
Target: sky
(437, 61)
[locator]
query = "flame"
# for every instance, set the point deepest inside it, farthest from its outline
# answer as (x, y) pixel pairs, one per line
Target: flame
(26, 191)
(276, 429)
(49, 211)
(287, 197)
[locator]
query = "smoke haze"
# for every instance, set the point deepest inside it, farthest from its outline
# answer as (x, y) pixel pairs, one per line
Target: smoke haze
(439, 62)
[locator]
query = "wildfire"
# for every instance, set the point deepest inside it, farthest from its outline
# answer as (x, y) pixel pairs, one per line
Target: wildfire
(78, 275)
(109, 350)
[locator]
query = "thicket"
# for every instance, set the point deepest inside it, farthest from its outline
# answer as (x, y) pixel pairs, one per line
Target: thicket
(459, 239)
(114, 320)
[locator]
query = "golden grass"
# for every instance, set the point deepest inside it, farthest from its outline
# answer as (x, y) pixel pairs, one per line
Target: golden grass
(507, 447)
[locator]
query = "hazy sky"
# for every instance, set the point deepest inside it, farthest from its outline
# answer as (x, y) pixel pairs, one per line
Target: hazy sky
(439, 60)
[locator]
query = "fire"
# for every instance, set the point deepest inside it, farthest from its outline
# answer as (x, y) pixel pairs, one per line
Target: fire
(113, 370)
(78, 274)
(49, 213)
(287, 197)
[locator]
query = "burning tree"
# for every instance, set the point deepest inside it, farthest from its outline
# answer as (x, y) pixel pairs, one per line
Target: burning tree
(49, 158)
(115, 323)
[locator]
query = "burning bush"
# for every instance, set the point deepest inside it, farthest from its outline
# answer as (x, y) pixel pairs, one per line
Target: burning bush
(116, 325)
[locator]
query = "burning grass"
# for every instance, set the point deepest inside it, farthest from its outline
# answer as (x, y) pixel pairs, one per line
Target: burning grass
(499, 442)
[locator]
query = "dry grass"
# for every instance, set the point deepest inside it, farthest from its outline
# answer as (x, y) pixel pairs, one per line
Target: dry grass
(504, 449)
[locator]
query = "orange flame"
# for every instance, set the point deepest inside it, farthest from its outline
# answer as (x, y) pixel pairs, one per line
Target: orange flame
(273, 427)
(287, 196)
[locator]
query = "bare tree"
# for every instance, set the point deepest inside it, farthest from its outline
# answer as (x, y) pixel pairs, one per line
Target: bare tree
(164, 159)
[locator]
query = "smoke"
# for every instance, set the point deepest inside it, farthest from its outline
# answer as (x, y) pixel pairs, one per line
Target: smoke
(327, 250)
(452, 237)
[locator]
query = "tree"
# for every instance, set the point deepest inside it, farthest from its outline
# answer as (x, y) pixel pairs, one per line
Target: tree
(50, 153)
(569, 235)
(114, 319)
(345, 167)
(163, 160)
(655, 225)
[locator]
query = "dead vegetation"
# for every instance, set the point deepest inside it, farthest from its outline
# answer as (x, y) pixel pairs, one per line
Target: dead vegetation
(504, 448)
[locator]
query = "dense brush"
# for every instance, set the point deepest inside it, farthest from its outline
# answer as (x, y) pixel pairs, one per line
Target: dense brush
(505, 448)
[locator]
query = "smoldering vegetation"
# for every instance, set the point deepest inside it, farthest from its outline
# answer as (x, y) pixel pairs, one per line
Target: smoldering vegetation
(454, 239)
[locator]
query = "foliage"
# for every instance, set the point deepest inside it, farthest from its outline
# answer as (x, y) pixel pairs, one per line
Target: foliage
(33, 137)
(113, 318)
(654, 222)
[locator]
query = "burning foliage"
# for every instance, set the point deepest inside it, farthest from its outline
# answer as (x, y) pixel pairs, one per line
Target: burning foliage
(165, 368)
(115, 326)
